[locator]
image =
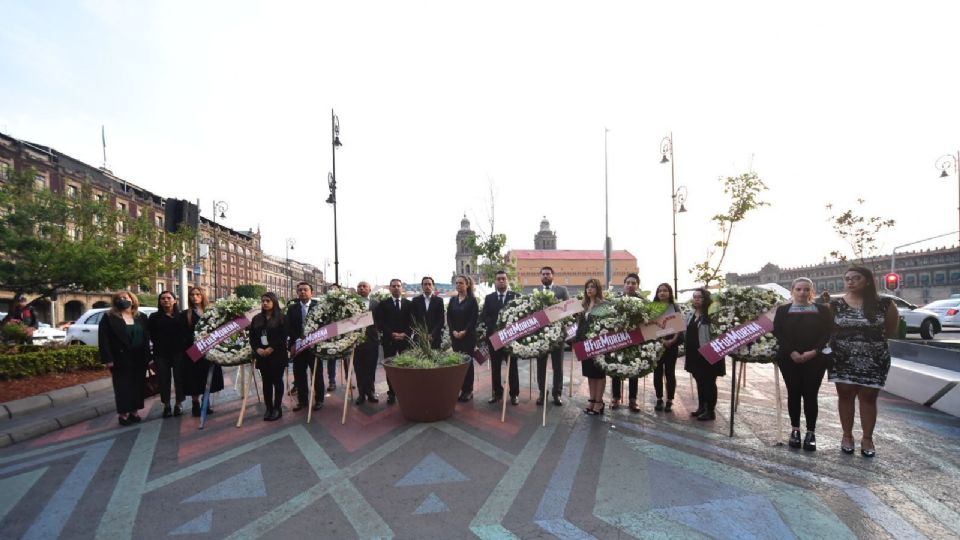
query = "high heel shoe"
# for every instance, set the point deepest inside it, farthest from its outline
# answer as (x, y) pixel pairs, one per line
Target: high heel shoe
(867, 452)
(845, 448)
(589, 408)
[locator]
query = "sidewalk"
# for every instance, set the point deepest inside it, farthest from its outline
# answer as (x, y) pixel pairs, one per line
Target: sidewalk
(30, 417)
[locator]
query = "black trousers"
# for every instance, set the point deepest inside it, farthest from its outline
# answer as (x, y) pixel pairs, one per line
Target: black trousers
(301, 364)
(666, 368)
(617, 384)
(513, 378)
(272, 376)
(556, 359)
(331, 370)
(706, 390)
(165, 368)
(803, 384)
(365, 366)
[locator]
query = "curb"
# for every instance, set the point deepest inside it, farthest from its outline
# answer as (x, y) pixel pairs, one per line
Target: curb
(42, 427)
(55, 398)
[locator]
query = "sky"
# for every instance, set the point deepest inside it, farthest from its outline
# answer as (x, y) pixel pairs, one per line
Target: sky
(441, 102)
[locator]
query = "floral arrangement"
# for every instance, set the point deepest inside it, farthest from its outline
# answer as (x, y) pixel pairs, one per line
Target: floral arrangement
(626, 313)
(380, 295)
(336, 305)
(235, 350)
(542, 341)
(737, 305)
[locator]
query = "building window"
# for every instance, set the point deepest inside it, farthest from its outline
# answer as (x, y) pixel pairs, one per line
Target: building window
(954, 277)
(925, 279)
(939, 278)
(912, 279)
(4, 170)
(159, 222)
(161, 286)
(41, 180)
(73, 192)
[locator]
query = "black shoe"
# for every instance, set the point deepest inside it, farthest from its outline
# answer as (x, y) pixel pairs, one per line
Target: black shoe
(391, 399)
(332, 386)
(209, 409)
(361, 400)
(373, 398)
(865, 452)
(589, 408)
(196, 409)
(277, 413)
(540, 400)
(700, 410)
(465, 397)
(707, 415)
(177, 410)
(124, 421)
(794, 441)
(299, 406)
(495, 398)
(809, 442)
(557, 401)
(669, 406)
(135, 418)
(267, 416)
(318, 405)
(659, 405)
(514, 400)
(167, 411)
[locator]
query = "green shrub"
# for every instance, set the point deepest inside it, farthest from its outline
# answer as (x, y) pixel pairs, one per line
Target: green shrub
(14, 332)
(49, 360)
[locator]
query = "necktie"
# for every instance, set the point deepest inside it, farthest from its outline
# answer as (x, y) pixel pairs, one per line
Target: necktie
(501, 300)
(396, 301)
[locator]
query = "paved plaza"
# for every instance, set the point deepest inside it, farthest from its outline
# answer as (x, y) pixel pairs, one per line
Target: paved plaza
(643, 475)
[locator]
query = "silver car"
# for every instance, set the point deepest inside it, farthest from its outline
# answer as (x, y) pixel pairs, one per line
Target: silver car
(84, 331)
(918, 319)
(948, 311)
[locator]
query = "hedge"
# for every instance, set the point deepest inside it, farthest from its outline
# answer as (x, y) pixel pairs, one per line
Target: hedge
(49, 360)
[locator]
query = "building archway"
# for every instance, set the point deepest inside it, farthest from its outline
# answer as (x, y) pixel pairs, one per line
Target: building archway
(72, 310)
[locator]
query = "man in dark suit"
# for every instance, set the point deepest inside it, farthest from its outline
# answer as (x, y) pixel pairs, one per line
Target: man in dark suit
(296, 318)
(428, 311)
(367, 353)
(492, 305)
(394, 318)
(546, 278)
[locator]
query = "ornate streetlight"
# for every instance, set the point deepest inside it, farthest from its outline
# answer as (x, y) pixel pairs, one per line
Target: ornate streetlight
(332, 183)
(947, 162)
(219, 207)
(290, 243)
(678, 195)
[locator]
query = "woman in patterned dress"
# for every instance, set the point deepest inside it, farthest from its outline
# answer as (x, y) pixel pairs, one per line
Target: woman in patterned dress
(864, 321)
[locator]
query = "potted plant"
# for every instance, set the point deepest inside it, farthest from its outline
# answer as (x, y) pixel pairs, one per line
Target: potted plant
(427, 381)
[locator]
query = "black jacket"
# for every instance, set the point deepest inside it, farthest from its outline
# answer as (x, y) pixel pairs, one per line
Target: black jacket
(167, 335)
(431, 317)
(491, 309)
(295, 323)
(276, 338)
(463, 316)
(802, 332)
(116, 347)
(390, 320)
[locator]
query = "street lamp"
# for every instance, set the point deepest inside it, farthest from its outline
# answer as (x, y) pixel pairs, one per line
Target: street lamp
(219, 207)
(332, 183)
(678, 195)
(291, 242)
(947, 162)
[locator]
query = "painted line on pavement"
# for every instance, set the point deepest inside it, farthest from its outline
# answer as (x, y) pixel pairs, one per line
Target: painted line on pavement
(121, 513)
(492, 451)
(553, 504)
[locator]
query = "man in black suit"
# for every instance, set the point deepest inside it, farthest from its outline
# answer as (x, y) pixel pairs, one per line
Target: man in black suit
(367, 353)
(394, 320)
(492, 305)
(296, 317)
(556, 357)
(428, 311)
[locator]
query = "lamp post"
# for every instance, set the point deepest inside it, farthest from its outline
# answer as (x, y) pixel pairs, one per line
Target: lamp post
(332, 183)
(678, 195)
(291, 242)
(607, 244)
(219, 207)
(947, 162)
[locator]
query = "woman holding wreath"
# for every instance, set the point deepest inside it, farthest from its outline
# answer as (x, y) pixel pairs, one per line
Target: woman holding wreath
(268, 339)
(124, 341)
(462, 313)
(667, 366)
(704, 373)
(195, 373)
(597, 382)
(802, 329)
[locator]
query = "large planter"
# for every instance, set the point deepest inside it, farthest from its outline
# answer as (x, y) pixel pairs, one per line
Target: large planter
(427, 395)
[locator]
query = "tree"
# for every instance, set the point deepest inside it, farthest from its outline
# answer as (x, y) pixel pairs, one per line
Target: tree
(859, 232)
(51, 242)
(250, 290)
(489, 246)
(744, 192)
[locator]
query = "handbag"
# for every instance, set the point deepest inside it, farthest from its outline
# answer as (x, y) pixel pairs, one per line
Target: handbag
(151, 384)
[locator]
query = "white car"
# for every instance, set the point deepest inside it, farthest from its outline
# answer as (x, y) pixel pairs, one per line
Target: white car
(948, 311)
(84, 331)
(918, 319)
(47, 335)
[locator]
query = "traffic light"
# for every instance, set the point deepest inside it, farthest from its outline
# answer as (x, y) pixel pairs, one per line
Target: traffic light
(892, 281)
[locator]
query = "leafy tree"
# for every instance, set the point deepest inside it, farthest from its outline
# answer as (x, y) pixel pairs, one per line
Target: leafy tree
(489, 246)
(53, 242)
(859, 232)
(250, 290)
(744, 192)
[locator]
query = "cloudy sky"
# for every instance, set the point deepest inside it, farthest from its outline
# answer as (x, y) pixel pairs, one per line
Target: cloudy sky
(827, 101)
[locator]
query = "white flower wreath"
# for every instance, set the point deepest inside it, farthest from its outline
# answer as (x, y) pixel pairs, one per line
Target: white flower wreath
(737, 305)
(626, 313)
(334, 306)
(235, 350)
(542, 341)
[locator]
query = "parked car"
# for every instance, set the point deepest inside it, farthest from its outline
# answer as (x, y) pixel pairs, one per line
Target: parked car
(920, 320)
(84, 331)
(47, 335)
(948, 311)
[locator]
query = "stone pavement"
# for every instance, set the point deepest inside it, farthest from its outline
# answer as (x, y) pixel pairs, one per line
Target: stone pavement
(643, 475)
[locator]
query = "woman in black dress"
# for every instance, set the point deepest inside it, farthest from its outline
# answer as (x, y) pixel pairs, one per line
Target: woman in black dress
(124, 341)
(268, 339)
(462, 313)
(704, 373)
(195, 373)
(667, 366)
(167, 336)
(597, 381)
(802, 329)
(863, 322)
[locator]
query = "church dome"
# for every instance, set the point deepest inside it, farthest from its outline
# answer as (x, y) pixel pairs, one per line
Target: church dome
(544, 225)
(464, 223)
